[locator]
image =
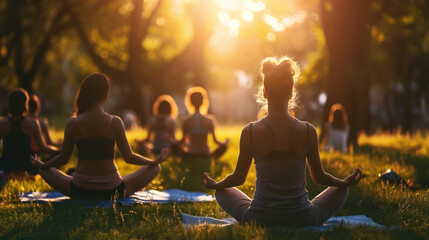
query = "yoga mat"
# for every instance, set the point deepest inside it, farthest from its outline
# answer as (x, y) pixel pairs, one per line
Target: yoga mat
(140, 197)
(190, 221)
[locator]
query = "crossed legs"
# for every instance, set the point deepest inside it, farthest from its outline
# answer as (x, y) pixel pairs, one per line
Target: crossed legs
(133, 182)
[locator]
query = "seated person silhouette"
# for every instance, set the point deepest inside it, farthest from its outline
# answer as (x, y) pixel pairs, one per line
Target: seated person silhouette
(197, 127)
(337, 129)
(162, 126)
(281, 147)
(95, 133)
(34, 107)
(17, 130)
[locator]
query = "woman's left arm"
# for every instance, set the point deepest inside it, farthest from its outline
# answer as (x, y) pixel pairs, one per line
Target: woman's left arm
(238, 177)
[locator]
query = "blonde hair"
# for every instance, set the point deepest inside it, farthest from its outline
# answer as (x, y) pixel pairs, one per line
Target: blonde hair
(165, 99)
(279, 75)
(204, 107)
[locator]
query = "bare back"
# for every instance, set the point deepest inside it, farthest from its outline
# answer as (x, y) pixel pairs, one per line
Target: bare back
(94, 124)
(196, 128)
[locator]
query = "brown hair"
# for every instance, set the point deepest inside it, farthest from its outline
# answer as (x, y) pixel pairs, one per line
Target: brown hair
(34, 104)
(93, 88)
(165, 104)
(17, 102)
(338, 116)
(197, 96)
(278, 80)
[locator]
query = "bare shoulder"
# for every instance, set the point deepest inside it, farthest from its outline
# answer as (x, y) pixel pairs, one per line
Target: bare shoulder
(117, 122)
(306, 128)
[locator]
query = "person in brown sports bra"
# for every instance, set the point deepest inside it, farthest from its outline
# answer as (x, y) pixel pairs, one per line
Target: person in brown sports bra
(95, 133)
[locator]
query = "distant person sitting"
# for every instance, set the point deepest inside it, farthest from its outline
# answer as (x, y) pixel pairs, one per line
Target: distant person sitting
(95, 133)
(33, 112)
(282, 148)
(197, 126)
(337, 129)
(17, 130)
(162, 126)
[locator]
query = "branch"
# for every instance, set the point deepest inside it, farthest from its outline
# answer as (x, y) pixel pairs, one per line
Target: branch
(88, 45)
(46, 42)
(150, 18)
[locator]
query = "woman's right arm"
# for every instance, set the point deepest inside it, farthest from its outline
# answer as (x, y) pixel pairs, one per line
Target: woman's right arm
(317, 172)
(66, 150)
(238, 177)
(126, 151)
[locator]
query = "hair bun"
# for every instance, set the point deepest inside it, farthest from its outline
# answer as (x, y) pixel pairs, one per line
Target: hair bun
(268, 66)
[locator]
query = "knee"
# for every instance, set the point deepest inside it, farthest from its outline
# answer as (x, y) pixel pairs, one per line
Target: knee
(156, 168)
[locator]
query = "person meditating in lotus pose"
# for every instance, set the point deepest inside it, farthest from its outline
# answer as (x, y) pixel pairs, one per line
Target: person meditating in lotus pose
(281, 147)
(95, 133)
(33, 112)
(198, 126)
(17, 130)
(162, 126)
(337, 129)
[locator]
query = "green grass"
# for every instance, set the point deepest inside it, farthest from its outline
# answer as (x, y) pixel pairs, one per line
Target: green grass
(404, 211)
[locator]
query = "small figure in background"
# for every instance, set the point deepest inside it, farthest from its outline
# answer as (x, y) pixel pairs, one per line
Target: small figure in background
(162, 126)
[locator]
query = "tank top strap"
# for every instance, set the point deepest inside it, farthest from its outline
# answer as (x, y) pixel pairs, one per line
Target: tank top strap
(108, 125)
(16, 124)
(251, 135)
(80, 128)
(269, 129)
(292, 127)
(308, 136)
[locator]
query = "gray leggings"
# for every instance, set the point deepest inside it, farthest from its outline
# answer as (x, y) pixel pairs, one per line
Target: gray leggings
(323, 206)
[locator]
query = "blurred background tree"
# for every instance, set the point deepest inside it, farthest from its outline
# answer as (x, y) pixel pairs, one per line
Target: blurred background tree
(369, 55)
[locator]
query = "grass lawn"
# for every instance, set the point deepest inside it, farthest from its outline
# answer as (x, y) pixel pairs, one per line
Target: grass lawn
(405, 211)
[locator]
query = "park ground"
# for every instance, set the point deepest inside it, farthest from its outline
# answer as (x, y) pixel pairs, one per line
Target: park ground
(404, 211)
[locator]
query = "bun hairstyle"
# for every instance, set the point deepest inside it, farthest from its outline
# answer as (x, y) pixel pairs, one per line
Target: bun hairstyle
(165, 104)
(196, 97)
(278, 81)
(17, 102)
(94, 88)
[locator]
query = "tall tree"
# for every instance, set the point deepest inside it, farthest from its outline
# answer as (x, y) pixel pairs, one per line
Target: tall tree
(346, 28)
(27, 30)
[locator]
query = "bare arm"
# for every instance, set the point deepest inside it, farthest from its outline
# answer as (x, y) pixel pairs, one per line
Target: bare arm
(66, 150)
(44, 126)
(317, 172)
(212, 131)
(37, 135)
(238, 177)
(126, 151)
(184, 132)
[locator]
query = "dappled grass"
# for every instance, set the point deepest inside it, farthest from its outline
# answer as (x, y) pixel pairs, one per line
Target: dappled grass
(404, 211)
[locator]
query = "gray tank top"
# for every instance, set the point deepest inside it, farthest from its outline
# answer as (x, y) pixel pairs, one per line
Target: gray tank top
(280, 179)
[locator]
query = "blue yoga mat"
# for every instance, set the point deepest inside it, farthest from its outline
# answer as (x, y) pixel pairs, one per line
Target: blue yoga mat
(140, 197)
(190, 221)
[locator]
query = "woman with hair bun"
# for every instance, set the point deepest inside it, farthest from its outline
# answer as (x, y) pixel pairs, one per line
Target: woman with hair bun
(17, 130)
(162, 125)
(198, 126)
(95, 133)
(281, 147)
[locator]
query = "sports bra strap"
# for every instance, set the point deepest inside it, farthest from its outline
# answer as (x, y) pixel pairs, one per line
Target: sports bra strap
(78, 125)
(108, 126)
(269, 129)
